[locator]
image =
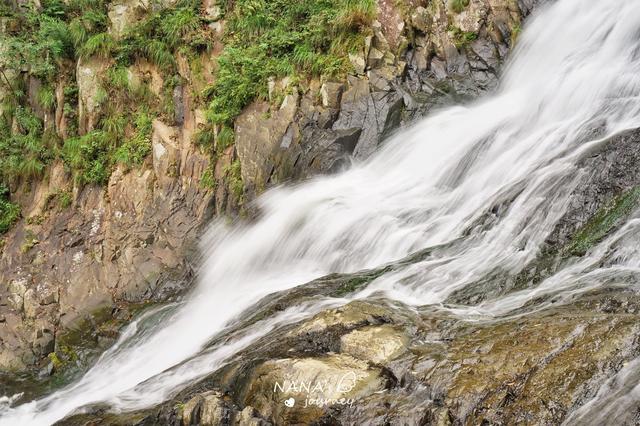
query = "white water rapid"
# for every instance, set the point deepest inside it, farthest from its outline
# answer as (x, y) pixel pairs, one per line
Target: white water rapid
(575, 73)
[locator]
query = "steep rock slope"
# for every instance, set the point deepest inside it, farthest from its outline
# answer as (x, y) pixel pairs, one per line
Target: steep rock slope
(91, 241)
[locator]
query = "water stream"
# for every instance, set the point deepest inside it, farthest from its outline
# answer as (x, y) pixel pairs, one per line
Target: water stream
(574, 74)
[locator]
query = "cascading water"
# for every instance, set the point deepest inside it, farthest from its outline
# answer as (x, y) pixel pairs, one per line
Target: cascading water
(575, 73)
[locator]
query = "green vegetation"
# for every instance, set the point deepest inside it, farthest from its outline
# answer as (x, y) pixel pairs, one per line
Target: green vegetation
(135, 149)
(48, 41)
(263, 40)
(458, 5)
(279, 38)
(461, 38)
(515, 33)
(604, 221)
(9, 212)
(234, 179)
(350, 283)
(30, 241)
(63, 357)
(24, 150)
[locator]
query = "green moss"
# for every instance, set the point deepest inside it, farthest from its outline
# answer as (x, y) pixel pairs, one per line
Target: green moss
(458, 5)
(56, 361)
(609, 217)
(29, 242)
(351, 283)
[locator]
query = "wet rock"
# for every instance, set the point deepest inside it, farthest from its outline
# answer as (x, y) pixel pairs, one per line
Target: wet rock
(207, 409)
(249, 417)
(377, 344)
(376, 113)
(348, 316)
(278, 388)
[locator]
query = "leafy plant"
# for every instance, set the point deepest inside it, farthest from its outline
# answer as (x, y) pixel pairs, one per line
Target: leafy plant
(9, 212)
(46, 97)
(136, 148)
(225, 138)
(89, 156)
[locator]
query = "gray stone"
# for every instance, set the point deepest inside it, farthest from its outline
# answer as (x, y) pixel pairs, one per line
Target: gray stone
(358, 62)
(331, 93)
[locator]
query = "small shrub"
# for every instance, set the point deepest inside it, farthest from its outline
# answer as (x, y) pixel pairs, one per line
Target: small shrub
(65, 199)
(135, 149)
(233, 177)
(118, 78)
(207, 180)
(46, 97)
(9, 212)
(89, 156)
(205, 137)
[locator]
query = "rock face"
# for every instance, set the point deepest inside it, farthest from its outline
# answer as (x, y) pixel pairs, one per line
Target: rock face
(80, 250)
(423, 368)
(296, 391)
(416, 58)
(114, 244)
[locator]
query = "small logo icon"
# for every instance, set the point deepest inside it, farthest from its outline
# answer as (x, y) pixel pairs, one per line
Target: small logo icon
(347, 382)
(290, 402)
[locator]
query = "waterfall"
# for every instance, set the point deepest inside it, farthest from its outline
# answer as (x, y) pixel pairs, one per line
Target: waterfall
(572, 82)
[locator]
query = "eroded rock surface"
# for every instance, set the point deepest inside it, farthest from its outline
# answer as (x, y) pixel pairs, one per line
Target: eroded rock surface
(80, 250)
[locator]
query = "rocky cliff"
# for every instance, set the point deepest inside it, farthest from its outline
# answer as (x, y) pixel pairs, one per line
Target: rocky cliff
(97, 235)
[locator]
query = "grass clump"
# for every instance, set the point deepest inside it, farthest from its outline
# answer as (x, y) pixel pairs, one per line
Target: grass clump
(9, 212)
(135, 149)
(89, 156)
(278, 38)
(24, 151)
(46, 97)
(233, 178)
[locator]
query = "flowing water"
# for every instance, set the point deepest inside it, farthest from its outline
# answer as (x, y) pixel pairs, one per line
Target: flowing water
(574, 74)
